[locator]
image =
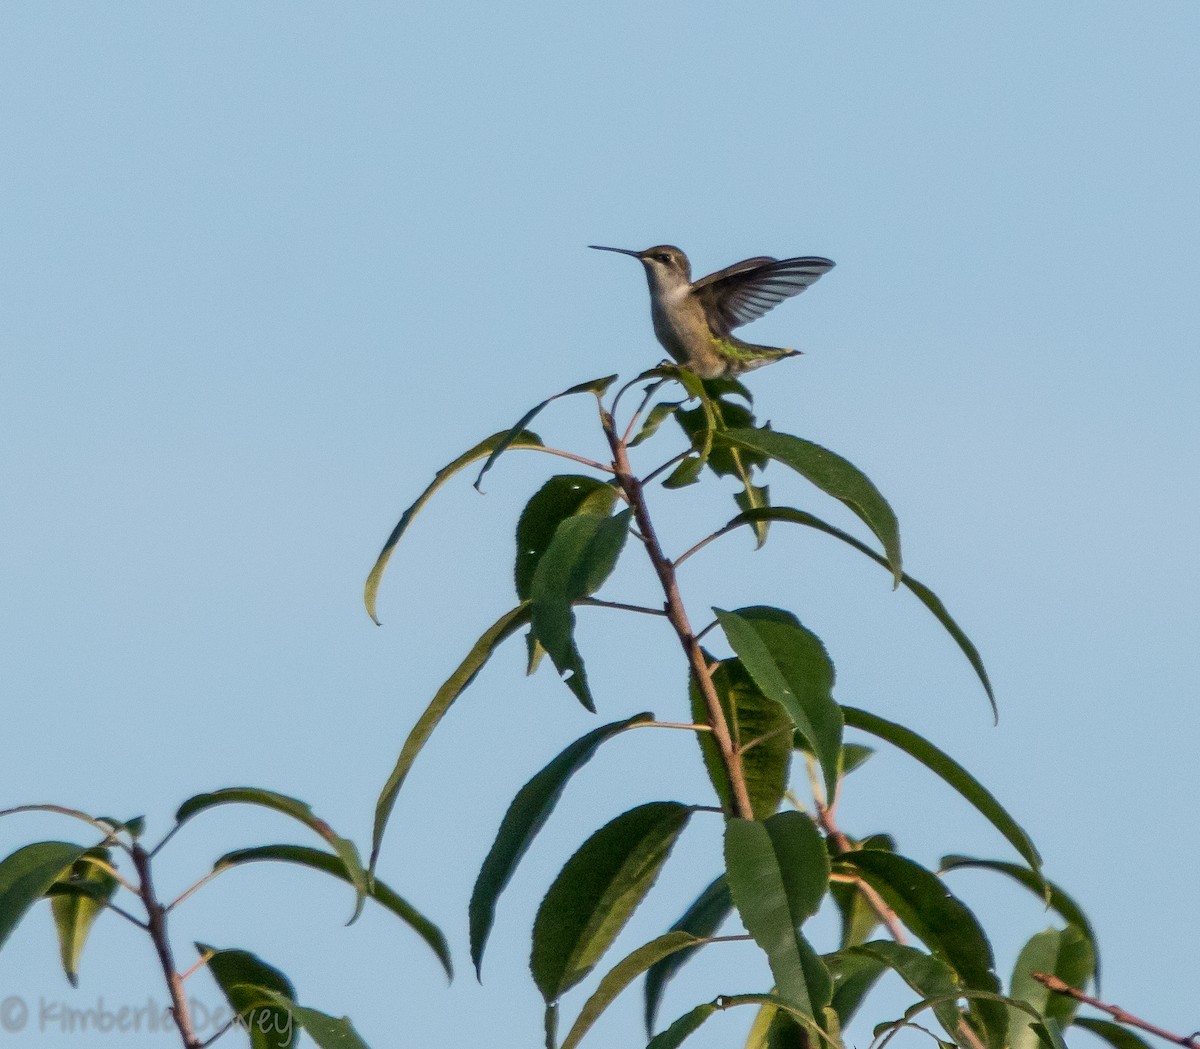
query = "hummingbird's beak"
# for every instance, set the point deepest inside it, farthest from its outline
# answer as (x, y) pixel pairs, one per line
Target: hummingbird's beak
(620, 251)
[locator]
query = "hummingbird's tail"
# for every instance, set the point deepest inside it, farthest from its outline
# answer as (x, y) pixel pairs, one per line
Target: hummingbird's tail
(742, 357)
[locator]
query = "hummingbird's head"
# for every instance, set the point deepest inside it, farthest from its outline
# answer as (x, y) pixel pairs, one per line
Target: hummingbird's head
(666, 265)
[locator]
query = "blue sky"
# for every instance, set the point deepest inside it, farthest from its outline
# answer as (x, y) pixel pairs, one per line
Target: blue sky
(268, 267)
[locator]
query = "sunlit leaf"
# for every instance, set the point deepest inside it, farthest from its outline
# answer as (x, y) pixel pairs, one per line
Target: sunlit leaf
(482, 449)
(790, 665)
(329, 863)
(778, 873)
(80, 898)
(596, 892)
(297, 810)
(27, 874)
(1065, 953)
(504, 627)
(525, 817)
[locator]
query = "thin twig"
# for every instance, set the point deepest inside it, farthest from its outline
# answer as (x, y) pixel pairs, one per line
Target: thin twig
(672, 724)
(788, 728)
(665, 466)
(703, 543)
(651, 390)
(228, 1024)
(109, 830)
(711, 626)
(125, 914)
(677, 616)
(193, 888)
(111, 871)
(1191, 1041)
(573, 457)
(595, 602)
(156, 915)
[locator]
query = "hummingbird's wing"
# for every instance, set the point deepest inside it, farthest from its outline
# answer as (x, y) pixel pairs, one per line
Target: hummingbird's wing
(746, 290)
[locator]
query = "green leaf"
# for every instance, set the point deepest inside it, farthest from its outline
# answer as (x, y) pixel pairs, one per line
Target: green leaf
(483, 448)
(702, 920)
(930, 977)
(859, 920)
(593, 386)
(854, 974)
(580, 557)
(27, 874)
(1050, 1033)
(329, 863)
(525, 817)
(656, 417)
(941, 921)
(76, 902)
(725, 461)
(1045, 890)
(751, 716)
(778, 872)
(1117, 1036)
(504, 627)
(561, 497)
(596, 892)
(686, 473)
(623, 974)
(326, 1031)
(242, 977)
(790, 665)
(754, 497)
(1065, 953)
(926, 596)
(834, 476)
(941, 764)
(687, 1024)
(297, 810)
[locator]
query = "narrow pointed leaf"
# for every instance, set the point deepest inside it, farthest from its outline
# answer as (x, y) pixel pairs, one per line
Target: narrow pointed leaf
(941, 764)
(654, 419)
(623, 974)
(755, 497)
(751, 716)
(510, 437)
(926, 596)
(686, 473)
(329, 863)
(561, 497)
(297, 810)
(579, 558)
(525, 817)
(941, 921)
(834, 476)
(1117, 1036)
(1050, 1033)
(778, 873)
(84, 892)
(596, 892)
(242, 978)
(1065, 953)
(483, 448)
(1046, 890)
(27, 874)
(790, 665)
(504, 627)
(853, 976)
(702, 920)
(691, 1021)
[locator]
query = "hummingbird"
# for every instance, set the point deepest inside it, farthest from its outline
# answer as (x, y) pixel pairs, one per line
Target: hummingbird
(694, 319)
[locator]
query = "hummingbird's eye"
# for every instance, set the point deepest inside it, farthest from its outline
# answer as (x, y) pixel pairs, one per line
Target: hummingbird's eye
(663, 257)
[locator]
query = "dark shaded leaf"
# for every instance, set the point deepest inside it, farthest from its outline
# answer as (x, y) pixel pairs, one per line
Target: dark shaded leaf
(504, 627)
(510, 437)
(834, 476)
(930, 977)
(623, 974)
(483, 448)
(297, 810)
(525, 817)
(1117, 1036)
(1065, 953)
(687, 1024)
(656, 417)
(1046, 890)
(559, 498)
(328, 1032)
(853, 977)
(778, 873)
(580, 557)
(754, 497)
(702, 920)
(941, 921)
(82, 896)
(790, 665)
(596, 892)
(27, 874)
(686, 473)
(330, 863)
(242, 977)
(941, 764)
(750, 716)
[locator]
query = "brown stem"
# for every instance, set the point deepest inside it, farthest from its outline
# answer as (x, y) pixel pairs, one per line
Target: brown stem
(156, 925)
(677, 616)
(1191, 1041)
(874, 900)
